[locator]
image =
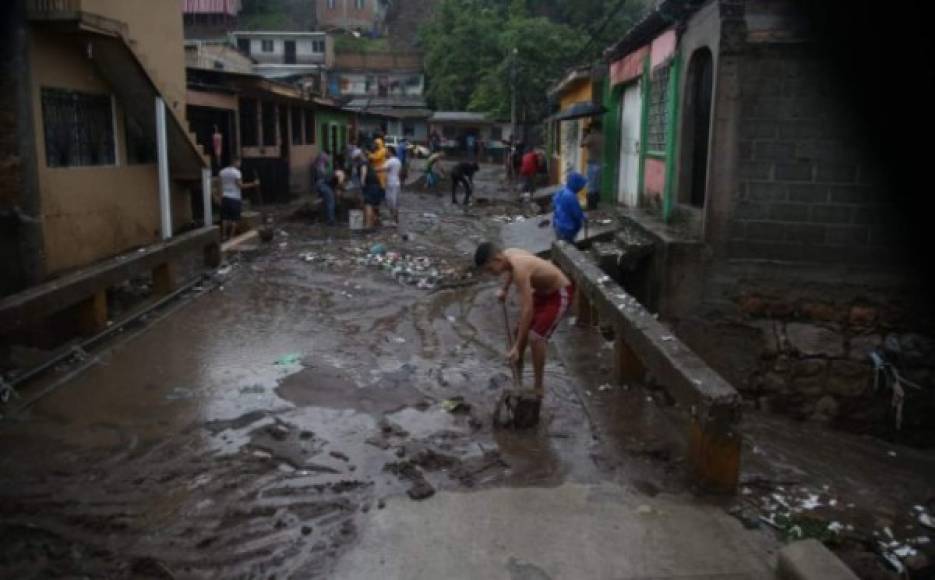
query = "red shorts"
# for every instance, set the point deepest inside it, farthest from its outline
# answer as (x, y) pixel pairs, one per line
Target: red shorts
(547, 311)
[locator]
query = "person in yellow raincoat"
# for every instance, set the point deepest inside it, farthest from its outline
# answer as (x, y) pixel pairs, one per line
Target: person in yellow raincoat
(377, 157)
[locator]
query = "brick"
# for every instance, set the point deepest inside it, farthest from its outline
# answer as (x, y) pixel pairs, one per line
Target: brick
(836, 173)
(766, 191)
(766, 231)
(852, 194)
(808, 193)
(883, 235)
(799, 171)
(754, 129)
(774, 151)
(805, 233)
(844, 235)
(737, 230)
(831, 214)
(751, 211)
(754, 170)
(788, 212)
(875, 214)
(801, 129)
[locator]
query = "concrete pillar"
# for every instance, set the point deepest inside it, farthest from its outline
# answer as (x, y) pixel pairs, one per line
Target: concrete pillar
(162, 158)
(206, 188)
(582, 309)
(714, 449)
(92, 314)
(164, 279)
(627, 366)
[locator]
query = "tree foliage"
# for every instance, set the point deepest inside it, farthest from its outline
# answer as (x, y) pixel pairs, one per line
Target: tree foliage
(469, 46)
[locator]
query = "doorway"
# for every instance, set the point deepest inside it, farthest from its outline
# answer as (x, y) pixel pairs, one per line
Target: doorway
(290, 52)
(631, 114)
(698, 104)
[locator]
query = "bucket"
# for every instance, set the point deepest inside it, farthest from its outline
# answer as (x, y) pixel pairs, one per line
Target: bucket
(355, 218)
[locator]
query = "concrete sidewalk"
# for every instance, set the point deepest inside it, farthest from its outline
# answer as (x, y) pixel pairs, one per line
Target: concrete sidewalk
(571, 532)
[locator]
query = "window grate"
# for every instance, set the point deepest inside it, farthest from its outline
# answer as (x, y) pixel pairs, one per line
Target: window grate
(79, 128)
(658, 106)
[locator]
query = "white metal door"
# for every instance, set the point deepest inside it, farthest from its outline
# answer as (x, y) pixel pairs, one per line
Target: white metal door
(630, 117)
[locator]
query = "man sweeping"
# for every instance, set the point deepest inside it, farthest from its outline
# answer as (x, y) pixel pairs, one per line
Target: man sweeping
(545, 295)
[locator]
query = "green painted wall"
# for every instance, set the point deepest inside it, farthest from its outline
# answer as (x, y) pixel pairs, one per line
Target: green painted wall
(325, 118)
(611, 162)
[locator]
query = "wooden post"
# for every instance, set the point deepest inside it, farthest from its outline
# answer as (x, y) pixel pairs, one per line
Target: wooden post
(714, 451)
(164, 278)
(92, 313)
(627, 366)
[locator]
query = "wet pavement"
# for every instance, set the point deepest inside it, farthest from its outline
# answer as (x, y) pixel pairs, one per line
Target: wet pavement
(257, 431)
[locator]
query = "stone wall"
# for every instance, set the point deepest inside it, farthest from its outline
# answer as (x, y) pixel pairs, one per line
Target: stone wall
(805, 353)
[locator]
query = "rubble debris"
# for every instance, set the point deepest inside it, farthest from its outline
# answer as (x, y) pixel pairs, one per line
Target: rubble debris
(456, 406)
(420, 490)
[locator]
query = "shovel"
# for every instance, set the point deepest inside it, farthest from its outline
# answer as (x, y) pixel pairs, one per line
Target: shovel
(520, 407)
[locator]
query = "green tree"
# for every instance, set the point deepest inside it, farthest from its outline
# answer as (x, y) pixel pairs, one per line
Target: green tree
(469, 48)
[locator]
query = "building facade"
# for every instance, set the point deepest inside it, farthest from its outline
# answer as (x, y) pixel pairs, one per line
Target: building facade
(354, 15)
(103, 161)
(210, 18)
(286, 55)
(777, 251)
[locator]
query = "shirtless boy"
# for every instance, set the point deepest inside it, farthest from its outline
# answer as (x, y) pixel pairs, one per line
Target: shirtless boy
(545, 295)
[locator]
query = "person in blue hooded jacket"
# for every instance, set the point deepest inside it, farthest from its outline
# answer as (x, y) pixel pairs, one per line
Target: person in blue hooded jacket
(569, 217)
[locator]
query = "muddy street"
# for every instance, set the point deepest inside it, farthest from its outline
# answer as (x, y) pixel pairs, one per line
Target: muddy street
(248, 433)
(327, 390)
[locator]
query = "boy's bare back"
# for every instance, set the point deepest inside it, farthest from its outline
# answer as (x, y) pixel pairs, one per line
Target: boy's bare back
(544, 277)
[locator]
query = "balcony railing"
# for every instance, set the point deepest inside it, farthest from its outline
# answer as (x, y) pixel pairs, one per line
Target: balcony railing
(52, 8)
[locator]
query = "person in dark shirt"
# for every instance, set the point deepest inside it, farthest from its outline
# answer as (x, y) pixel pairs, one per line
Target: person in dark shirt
(463, 173)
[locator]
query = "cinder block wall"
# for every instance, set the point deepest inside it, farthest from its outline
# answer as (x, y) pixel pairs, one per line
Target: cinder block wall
(809, 187)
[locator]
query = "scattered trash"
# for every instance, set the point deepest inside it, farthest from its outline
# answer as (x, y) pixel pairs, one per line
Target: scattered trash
(891, 453)
(644, 510)
(451, 319)
(604, 387)
(456, 406)
(667, 338)
(378, 249)
(224, 271)
(289, 360)
(603, 280)
(605, 222)
(398, 340)
(927, 521)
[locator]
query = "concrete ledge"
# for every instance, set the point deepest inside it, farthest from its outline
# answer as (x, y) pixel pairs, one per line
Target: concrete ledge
(811, 560)
(644, 344)
(77, 287)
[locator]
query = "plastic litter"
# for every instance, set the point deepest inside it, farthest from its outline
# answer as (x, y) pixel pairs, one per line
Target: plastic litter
(289, 359)
(456, 406)
(378, 249)
(927, 521)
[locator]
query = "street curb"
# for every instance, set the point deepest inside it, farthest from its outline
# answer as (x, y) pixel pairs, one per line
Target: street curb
(811, 560)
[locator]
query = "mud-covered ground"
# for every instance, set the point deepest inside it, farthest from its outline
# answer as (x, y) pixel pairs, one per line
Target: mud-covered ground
(246, 434)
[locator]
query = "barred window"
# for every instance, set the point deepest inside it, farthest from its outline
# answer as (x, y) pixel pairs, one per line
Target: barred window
(79, 128)
(658, 106)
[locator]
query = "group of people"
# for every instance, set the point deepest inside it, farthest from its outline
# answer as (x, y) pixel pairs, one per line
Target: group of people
(379, 172)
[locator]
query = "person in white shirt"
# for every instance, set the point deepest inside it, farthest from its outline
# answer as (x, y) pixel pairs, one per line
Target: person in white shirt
(232, 186)
(393, 166)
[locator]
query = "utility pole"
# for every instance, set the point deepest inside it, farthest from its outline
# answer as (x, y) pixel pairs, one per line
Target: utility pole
(513, 96)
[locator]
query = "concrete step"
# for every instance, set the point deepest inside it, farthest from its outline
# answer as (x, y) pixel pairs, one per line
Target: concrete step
(811, 560)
